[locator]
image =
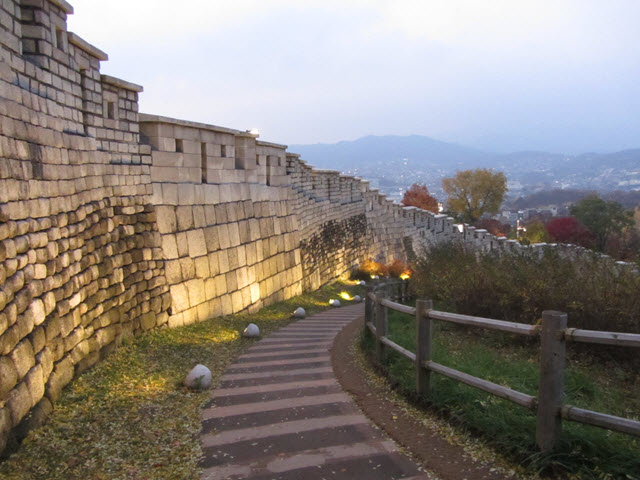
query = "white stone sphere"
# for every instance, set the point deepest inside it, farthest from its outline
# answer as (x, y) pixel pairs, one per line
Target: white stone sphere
(198, 378)
(252, 330)
(299, 313)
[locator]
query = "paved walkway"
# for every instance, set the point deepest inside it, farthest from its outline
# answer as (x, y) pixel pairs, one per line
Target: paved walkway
(280, 414)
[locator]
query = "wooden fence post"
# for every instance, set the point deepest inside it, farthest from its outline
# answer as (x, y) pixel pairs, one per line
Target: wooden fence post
(551, 390)
(423, 340)
(381, 325)
(368, 309)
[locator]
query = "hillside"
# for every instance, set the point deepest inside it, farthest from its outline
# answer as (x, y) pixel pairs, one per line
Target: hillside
(395, 162)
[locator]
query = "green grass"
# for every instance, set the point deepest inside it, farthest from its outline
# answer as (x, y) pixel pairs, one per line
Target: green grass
(130, 417)
(585, 451)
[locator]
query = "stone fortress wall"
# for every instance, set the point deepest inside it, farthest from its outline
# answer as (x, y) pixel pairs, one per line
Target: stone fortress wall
(114, 222)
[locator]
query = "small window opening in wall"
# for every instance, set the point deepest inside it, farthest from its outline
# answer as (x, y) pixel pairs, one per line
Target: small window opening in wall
(203, 161)
(60, 38)
(111, 110)
(223, 151)
(179, 145)
(268, 169)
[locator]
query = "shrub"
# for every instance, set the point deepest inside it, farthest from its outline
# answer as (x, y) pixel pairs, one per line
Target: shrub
(367, 269)
(594, 292)
(397, 268)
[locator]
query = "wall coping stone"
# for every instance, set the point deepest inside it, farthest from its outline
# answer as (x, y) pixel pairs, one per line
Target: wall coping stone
(117, 82)
(65, 6)
(262, 143)
(86, 46)
(147, 118)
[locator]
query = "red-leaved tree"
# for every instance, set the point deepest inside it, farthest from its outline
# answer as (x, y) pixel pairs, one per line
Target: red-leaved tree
(570, 230)
(418, 196)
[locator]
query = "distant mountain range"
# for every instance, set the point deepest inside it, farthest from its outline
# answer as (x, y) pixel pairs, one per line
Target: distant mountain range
(393, 163)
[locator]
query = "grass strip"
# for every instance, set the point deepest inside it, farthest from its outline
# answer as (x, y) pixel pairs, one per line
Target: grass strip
(130, 417)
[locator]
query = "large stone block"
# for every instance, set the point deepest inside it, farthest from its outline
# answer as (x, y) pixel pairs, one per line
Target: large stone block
(223, 261)
(184, 215)
(35, 384)
(195, 288)
(232, 281)
(166, 219)
(19, 402)
(23, 358)
(237, 302)
(8, 376)
(173, 271)
(182, 244)
(179, 298)
(60, 376)
(211, 238)
(202, 267)
(5, 426)
(188, 268)
(226, 305)
(223, 236)
(255, 292)
(220, 285)
(197, 244)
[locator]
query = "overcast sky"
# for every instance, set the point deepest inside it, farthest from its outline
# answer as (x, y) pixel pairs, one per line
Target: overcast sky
(503, 75)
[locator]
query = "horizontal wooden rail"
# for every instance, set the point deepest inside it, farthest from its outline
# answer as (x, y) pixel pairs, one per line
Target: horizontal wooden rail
(402, 351)
(520, 398)
(512, 327)
(398, 307)
(605, 338)
(553, 333)
(624, 425)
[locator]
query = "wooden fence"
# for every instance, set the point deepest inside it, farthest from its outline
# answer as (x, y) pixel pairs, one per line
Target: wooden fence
(549, 404)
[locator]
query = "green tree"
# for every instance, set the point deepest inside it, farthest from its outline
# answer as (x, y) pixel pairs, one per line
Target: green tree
(471, 193)
(536, 232)
(603, 218)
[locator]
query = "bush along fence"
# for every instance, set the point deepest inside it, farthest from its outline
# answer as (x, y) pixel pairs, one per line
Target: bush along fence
(553, 333)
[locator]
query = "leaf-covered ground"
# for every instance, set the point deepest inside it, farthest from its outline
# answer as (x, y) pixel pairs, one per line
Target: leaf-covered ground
(130, 417)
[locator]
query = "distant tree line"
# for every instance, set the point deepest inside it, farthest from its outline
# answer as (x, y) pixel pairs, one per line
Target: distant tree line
(605, 226)
(593, 222)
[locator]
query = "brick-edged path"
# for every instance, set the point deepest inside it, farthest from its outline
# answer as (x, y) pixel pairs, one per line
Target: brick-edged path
(280, 414)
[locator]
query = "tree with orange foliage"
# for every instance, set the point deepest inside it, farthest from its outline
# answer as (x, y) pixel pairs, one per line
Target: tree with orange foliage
(418, 196)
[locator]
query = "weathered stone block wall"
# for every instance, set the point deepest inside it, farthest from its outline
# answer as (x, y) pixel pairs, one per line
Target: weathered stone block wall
(343, 222)
(80, 255)
(229, 236)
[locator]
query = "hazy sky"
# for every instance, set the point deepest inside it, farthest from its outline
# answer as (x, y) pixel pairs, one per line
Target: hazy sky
(495, 74)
